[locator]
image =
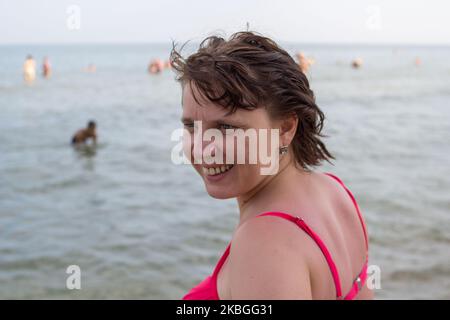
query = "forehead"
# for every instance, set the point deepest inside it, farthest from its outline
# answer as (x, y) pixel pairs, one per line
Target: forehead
(205, 110)
(201, 108)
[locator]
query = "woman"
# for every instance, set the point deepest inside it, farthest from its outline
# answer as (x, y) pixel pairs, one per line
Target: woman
(300, 233)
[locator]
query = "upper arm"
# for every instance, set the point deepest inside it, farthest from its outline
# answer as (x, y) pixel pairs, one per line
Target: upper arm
(267, 262)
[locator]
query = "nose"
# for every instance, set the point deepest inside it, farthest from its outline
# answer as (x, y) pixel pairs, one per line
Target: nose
(203, 151)
(209, 152)
(206, 152)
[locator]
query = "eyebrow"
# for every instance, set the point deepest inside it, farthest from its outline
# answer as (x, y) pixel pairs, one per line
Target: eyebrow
(222, 121)
(186, 119)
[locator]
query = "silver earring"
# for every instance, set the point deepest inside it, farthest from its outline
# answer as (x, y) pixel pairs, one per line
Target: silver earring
(283, 150)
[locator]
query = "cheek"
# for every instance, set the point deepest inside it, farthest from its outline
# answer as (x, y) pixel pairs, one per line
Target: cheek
(188, 150)
(229, 149)
(254, 150)
(247, 177)
(239, 150)
(188, 145)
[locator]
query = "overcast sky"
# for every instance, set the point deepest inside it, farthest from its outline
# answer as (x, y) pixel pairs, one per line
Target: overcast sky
(314, 21)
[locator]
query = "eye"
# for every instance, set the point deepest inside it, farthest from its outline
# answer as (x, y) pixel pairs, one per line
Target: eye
(189, 126)
(224, 127)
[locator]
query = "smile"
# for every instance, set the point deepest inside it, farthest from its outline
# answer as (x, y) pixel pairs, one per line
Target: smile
(216, 170)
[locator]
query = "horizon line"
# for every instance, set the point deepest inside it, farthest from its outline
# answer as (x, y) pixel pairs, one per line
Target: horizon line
(318, 43)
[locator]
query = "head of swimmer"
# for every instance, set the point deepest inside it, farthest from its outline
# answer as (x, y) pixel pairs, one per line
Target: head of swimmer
(91, 126)
(246, 89)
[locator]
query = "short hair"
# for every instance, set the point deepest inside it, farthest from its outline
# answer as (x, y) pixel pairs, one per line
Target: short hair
(91, 124)
(248, 71)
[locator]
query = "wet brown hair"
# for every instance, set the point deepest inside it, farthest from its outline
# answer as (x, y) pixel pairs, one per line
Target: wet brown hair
(249, 71)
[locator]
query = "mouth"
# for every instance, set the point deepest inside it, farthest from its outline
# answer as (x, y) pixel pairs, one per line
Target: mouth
(216, 173)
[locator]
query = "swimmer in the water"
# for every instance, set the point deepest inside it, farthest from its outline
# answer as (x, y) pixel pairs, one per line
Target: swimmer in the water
(357, 63)
(46, 68)
(91, 68)
(304, 62)
(155, 66)
(82, 135)
(417, 62)
(29, 69)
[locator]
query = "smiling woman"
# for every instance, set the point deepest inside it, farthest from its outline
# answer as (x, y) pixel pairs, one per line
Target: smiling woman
(248, 83)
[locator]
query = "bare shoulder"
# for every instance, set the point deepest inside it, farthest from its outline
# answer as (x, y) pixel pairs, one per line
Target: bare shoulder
(270, 231)
(266, 261)
(336, 188)
(340, 197)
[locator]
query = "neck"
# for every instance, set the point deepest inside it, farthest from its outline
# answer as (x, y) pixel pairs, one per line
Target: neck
(250, 203)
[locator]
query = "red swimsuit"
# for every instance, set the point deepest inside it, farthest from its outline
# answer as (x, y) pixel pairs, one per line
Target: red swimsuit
(207, 289)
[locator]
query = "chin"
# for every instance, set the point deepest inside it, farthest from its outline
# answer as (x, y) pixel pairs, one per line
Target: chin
(220, 192)
(220, 180)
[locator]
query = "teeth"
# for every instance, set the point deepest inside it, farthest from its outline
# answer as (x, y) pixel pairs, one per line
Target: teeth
(216, 170)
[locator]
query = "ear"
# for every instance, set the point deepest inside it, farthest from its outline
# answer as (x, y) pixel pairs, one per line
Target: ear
(288, 128)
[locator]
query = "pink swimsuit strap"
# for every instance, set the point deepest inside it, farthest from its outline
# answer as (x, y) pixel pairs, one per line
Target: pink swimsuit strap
(302, 224)
(359, 280)
(356, 206)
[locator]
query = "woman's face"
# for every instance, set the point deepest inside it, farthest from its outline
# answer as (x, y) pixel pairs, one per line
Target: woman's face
(234, 171)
